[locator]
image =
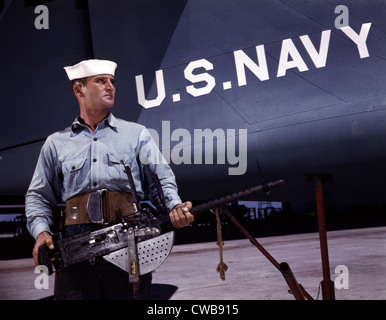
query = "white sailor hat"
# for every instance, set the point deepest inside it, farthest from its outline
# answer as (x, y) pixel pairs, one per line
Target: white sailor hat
(88, 68)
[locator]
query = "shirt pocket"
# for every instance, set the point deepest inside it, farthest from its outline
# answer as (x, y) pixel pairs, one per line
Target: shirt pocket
(116, 163)
(74, 173)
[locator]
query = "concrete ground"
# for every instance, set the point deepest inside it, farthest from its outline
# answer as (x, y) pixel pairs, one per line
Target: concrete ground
(189, 273)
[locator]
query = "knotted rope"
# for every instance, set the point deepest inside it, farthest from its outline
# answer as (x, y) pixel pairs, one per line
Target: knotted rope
(222, 267)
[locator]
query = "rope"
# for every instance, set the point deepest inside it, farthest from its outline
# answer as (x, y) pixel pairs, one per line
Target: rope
(222, 267)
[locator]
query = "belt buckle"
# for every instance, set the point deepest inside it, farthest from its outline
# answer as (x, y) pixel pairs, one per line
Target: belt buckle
(95, 206)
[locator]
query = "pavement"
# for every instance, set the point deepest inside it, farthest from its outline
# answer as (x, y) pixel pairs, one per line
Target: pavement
(357, 266)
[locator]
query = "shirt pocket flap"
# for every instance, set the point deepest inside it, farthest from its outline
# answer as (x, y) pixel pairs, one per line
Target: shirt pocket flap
(117, 158)
(73, 164)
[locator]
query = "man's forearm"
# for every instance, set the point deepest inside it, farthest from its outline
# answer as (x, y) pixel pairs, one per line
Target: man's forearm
(39, 215)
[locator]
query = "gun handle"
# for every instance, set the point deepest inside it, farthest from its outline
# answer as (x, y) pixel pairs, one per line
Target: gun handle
(44, 258)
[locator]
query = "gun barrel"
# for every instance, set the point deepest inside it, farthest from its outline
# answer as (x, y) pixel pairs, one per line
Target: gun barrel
(265, 187)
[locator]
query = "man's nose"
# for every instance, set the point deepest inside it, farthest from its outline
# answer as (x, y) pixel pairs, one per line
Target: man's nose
(109, 85)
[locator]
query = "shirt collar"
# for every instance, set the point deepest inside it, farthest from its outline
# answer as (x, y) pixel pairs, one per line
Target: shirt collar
(110, 121)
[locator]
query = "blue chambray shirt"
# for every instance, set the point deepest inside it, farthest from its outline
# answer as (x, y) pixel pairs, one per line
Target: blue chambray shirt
(77, 160)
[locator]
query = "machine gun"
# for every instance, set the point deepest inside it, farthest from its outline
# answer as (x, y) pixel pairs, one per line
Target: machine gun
(220, 202)
(137, 249)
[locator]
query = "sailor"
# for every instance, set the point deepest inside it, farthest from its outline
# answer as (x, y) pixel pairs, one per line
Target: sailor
(88, 156)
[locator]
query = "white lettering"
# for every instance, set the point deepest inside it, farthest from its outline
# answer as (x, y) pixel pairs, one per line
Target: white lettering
(318, 58)
(242, 61)
(160, 91)
(203, 83)
(195, 78)
(359, 39)
(164, 310)
(288, 49)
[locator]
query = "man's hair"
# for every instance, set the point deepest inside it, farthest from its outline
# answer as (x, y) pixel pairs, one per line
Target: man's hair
(83, 81)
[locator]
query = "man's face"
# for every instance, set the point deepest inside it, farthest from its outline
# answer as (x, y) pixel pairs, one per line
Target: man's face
(99, 92)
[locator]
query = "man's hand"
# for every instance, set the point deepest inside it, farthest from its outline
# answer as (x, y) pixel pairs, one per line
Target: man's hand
(43, 238)
(180, 215)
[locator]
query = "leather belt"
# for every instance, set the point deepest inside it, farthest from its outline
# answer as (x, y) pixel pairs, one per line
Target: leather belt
(114, 205)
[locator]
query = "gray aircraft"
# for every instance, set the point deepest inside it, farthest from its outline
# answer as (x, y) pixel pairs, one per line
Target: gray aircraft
(298, 85)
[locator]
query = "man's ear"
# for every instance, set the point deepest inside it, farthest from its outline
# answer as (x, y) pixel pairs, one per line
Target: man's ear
(78, 89)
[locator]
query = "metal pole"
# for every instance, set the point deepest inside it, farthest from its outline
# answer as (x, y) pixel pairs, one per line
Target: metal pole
(291, 281)
(327, 285)
(295, 288)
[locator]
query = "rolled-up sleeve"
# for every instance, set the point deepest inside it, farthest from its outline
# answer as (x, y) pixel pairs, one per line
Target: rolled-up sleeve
(41, 195)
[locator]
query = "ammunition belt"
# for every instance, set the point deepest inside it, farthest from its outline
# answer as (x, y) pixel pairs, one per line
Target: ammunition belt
(114, 205)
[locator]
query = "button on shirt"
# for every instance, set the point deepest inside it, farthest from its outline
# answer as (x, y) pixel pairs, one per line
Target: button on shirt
(77, 160)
